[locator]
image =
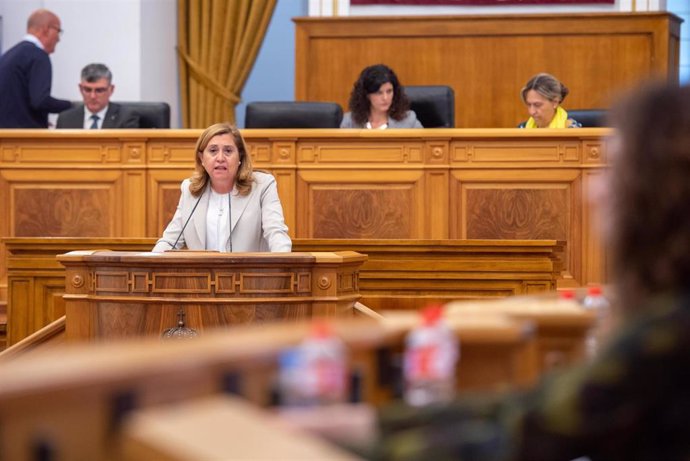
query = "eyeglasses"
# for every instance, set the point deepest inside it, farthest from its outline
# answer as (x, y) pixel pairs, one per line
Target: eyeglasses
(59, 31)
(97, 90)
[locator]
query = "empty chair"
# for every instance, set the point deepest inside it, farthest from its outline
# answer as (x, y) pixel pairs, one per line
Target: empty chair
(293, 114)
(151, 114)
(433, 104)
(589, 118)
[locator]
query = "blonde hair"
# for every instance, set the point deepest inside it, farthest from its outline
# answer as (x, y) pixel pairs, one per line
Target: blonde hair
(245, 172)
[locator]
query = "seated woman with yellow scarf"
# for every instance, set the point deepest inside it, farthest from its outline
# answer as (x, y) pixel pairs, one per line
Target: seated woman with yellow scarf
(543, 95)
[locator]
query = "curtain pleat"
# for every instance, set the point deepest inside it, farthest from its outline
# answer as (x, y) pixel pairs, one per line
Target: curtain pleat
(218, 41)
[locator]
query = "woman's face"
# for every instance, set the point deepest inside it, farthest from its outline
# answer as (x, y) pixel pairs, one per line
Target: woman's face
(381, 100)
(221, 160)
(540, 109)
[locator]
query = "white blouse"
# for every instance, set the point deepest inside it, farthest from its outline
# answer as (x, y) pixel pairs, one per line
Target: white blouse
(218, 222)
(381, 127)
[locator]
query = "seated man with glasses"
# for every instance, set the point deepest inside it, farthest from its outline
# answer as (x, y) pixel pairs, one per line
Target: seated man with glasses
(97, 111)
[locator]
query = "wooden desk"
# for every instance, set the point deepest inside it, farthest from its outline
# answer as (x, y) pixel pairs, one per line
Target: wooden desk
(561, 326)
(398, 274)
(112, 294)
(334, 184)
(79, 408)
(219, 428)
(409, 274)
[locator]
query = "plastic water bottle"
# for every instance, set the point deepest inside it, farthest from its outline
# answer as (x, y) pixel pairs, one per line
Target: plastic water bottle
(431, 354)
(315, 371)
(595, 302)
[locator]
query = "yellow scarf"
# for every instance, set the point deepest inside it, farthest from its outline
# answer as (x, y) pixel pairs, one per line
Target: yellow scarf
(559, 120)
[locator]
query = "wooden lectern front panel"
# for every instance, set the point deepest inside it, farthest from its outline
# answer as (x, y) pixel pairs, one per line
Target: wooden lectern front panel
(120, 294)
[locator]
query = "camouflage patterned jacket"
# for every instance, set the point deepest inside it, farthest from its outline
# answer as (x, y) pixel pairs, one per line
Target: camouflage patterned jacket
(631, 403)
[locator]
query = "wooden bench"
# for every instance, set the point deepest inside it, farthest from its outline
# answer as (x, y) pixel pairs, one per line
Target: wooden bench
(73, 402)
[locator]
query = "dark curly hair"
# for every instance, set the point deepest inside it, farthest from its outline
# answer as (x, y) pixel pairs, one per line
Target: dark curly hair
(649, 232)
(369, 81)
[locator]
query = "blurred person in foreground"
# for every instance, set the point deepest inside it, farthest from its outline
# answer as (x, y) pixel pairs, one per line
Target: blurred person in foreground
(632, 401)
(543, 95)
(97, 112)
(378, 101)
(226, 206)
(26, 75)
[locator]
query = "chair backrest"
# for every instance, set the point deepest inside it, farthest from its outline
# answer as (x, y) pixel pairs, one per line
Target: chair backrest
(589, 118)
(293, 114)
(151, 114)
(433, 104)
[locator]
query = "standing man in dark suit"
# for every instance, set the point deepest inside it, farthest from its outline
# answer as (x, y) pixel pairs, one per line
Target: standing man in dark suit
(26, 75)
(96, 87)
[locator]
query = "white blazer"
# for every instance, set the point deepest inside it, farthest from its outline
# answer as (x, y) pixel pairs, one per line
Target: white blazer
(257, 222)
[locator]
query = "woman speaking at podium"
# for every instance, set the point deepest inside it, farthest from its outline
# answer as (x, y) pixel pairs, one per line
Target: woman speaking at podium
(226, 206)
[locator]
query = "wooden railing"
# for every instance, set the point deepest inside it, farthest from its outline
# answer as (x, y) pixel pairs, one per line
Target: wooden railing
(51, 335)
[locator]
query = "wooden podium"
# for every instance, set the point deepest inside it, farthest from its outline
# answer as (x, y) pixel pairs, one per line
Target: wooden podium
(113, 294)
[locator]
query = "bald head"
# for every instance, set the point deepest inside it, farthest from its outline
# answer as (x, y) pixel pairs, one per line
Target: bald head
(40, 18)
(45, 25)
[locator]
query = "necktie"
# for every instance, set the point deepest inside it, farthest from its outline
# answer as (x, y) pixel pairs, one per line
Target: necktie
(94, 125)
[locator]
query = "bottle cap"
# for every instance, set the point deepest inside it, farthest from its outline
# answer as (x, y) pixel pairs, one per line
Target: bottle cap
(567, 294)
(321, 329)
(594, 290)
(432, 314)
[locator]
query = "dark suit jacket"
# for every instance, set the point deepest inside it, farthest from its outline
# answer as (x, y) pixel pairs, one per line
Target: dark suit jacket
(25, 82)
(115, 117)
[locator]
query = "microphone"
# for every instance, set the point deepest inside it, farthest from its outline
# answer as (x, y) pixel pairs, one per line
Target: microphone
(230, 221)
(187, 222)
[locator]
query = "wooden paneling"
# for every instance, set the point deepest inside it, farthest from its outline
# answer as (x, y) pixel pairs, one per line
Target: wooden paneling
(36, 280)
(487, 59)
(35, 301)
(111, 294)
(410, 274)
(398, 274)
(395, 184)
(509, 204)
(60, 212)
(359, 204)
